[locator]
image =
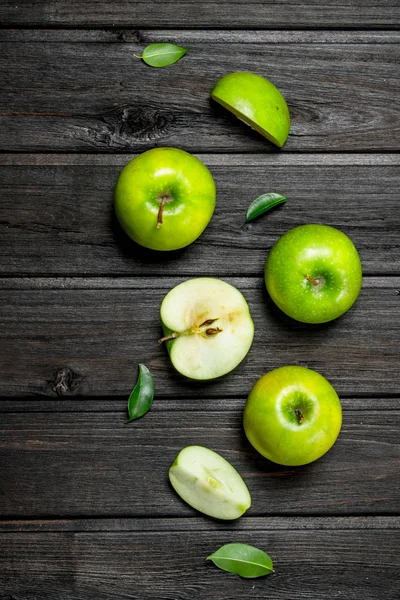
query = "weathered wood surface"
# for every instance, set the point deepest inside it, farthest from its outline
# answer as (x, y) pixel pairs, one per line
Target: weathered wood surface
(326, 558)
(190, 13)
(95, 96)
(94, 464)
(56, 214)
(79, 302)
(98, 330)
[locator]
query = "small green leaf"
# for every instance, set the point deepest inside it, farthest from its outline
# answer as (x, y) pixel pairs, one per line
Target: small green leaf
(246, 561)
(263, 203)
(142, 395)
(162, 55)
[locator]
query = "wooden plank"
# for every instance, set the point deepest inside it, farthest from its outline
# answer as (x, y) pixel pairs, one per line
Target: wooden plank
(56, 214)
(189, 13)
(92, 464)
(170, 563)
(92, 340)
(95, 96)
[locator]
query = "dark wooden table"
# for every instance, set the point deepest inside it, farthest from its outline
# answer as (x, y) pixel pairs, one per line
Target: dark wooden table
(86, 509)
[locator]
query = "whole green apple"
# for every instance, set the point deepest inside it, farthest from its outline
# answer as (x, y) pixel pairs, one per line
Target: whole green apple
(313, 273)
(164, 198)
(292, 416)
(256, 102)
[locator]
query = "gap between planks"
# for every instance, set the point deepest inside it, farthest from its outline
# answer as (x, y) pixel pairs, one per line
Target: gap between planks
(154, 282)
(369, 159)
(130, 35)
(167, 524)
(215, 404)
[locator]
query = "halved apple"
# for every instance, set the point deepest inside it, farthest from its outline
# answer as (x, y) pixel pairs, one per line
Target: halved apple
(256, 102)
(209, 483)
(207, 326)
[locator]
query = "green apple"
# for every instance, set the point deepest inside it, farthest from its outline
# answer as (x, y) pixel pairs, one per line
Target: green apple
(209, 483)
(256, 102)
(292, 416)
(207, 326)
(313, 273)
(164, 198)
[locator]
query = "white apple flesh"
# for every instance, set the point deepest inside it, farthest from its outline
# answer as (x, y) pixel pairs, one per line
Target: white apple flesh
(208, 328)
(209, 483)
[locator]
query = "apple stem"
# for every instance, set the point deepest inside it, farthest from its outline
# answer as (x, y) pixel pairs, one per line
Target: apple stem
(311, 280)
(164, 199)
(299, 415)
(171, 336)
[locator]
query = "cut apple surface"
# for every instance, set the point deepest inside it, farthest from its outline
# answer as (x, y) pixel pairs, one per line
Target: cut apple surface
(209, 483)
(208, 328)
(256, 102)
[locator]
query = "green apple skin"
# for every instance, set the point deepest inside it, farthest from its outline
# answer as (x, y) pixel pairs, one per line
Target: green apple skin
(323, 254)
(257, 102)
(292, 416)
(176, 175)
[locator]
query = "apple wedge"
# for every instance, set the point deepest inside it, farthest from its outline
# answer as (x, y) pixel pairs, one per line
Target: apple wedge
(207, 327)
(209, 483)
(255, 101)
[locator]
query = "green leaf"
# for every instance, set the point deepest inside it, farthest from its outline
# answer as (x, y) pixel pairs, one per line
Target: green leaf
(263, 203)
(246, 561)
(142, 395)
(162, 55)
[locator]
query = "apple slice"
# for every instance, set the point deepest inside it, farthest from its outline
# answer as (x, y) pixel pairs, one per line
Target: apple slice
(256, 102)
(207, 327)
(209, 483)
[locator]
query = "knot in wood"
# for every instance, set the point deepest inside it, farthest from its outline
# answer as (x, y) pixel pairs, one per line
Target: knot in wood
(128, 124)
(63, 381)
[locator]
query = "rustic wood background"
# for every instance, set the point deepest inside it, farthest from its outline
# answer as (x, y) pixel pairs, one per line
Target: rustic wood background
(86, 509)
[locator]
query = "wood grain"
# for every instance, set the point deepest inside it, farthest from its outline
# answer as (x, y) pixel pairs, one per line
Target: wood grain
(189, 13)
(94, 464)
(96, 97)
(88, 513)
(90, 334)
(56, 214)
(329, 560)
